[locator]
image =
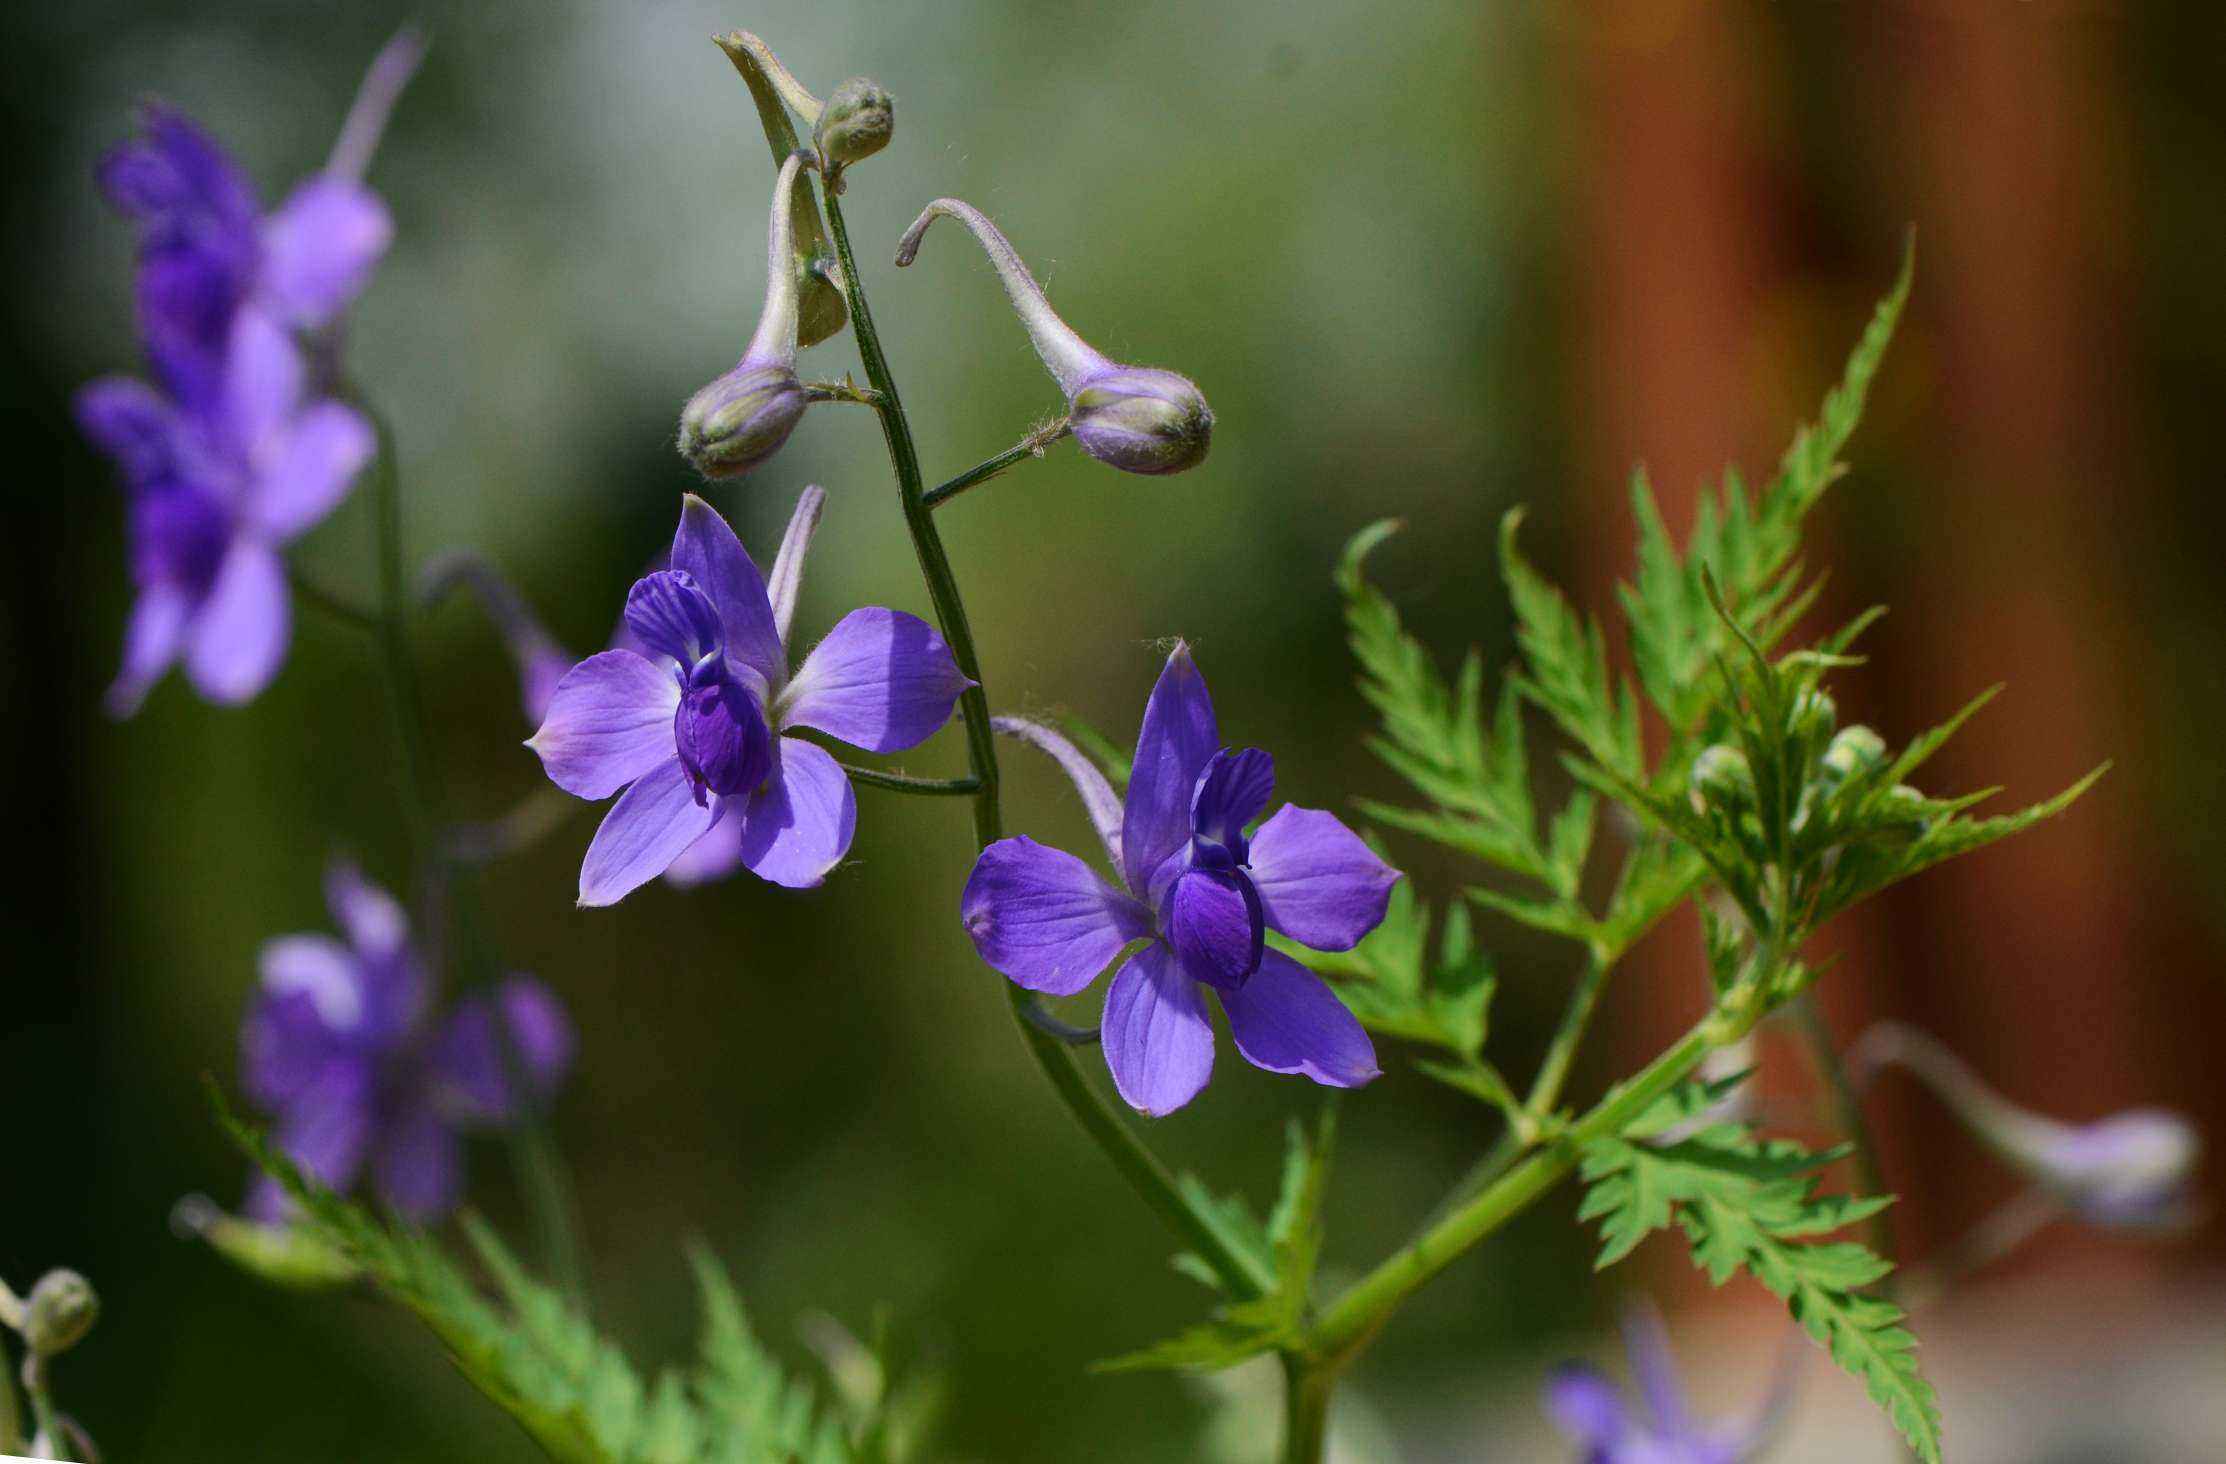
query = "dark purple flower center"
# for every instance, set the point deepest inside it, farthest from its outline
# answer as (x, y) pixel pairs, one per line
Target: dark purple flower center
(1231, 792)
(720, 732)
(1213, 920)
(179, 533)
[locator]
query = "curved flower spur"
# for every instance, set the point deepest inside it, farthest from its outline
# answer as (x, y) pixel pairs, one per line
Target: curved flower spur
(696, 726)
(1588, 1407)
(1140, 419)
(1202, 892)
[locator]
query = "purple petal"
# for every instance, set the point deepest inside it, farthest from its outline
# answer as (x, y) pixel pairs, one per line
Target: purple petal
(285, 1044)
(1098, 798)
(1214, 925)
(320, 247)
(670, 616)
(320, 969)
(1044, 918)
(311, 469)
(644, 832)
(151, 640)
(471, 1061)
(237, 638)
(1646, 1343)
(375, 923)
(799, 825)
(705, 549)
(129, 421)
(1286, 1020)
(882, 680)
(1178, 737)
(1158, 1040)
(609, 722)
(712, 857)
(788, 565)
(1319, 883)
(1230, 794)
(264, 375)
(326, 1127)
(1585, 1405)
(419, 1168)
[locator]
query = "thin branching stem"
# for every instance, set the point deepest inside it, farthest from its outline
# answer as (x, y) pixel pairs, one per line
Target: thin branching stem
(906, 783)
(1028, 448)
(1108, 1130)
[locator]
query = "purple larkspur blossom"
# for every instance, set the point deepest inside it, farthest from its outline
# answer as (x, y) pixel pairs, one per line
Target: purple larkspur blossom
(233, 449)
(2131, 1170)
(694, 721)
(340, 1048)
(1586, 1404)
(1202, 892)
(1140, 419)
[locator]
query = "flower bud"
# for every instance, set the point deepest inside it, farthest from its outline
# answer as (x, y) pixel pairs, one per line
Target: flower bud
(740, 420)
(1814, 715)
(2128, 1170)
(1143, 420)
(60, 1310)
(1721, 779)
(743, 418)
(1854, 751)
(856, 122)
(1135, 418)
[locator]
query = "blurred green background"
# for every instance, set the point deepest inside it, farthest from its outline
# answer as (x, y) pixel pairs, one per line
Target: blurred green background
(1430, 260)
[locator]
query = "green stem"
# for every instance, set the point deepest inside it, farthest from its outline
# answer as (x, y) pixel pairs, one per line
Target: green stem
(1561, 1052)
(1350, 1323)
(1031, 446)
(46, 1419)
(905, 783)
(540, 1176)
(1847, 1116)
(1136, 1163)
(1306, 1394)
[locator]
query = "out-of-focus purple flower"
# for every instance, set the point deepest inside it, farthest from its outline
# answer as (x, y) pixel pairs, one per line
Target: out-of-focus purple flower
(1590, 1408)
(745, 416)
(1139, 419)
(339, 1047)
(694, 724)
(233, 450)
(214, 494)
(2125, 1171)
(1202, 892)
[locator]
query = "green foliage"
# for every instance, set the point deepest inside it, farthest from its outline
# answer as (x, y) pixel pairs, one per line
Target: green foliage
(536, 1355)
(1750, 1204)
(1291, 1242)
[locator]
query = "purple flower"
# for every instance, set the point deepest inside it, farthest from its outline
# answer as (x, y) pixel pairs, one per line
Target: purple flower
(2131, 1170)
(1201, 892)
(1589, 1408)
(232, 451)
(339, 1048)
(694, 724)
(1139, 419)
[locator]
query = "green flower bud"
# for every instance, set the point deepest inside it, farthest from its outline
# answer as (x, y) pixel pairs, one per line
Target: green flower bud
(741, 419)
(1721, 779)
(856, 122)
(60, 1310)
(1904, 804)
(1854, 751)
(1814, 715)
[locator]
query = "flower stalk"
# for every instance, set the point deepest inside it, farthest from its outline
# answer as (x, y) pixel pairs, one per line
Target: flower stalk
(1128, 1153)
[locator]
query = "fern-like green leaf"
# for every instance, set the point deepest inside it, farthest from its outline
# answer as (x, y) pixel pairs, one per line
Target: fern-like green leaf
(1750, 1204)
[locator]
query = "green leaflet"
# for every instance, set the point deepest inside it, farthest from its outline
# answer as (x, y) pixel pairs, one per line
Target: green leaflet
(535, 1355)
(1292, 1238)
(1750, 1204)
